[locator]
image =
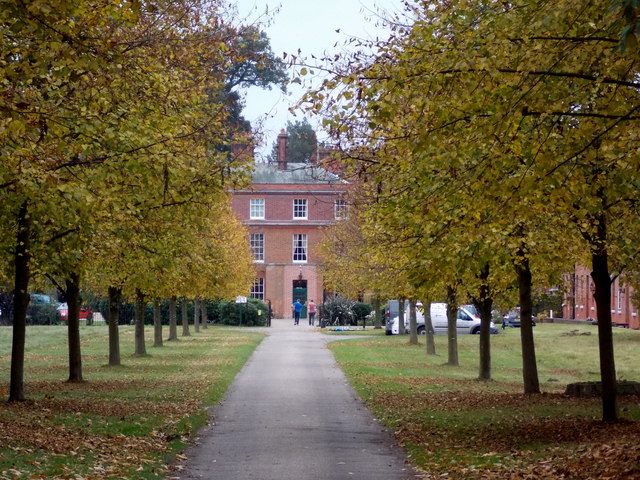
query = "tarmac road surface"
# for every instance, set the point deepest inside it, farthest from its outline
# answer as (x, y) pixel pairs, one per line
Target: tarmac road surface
(290, 414)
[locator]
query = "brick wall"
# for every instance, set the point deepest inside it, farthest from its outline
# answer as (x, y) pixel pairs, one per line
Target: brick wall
(580, 304)
(279, 206)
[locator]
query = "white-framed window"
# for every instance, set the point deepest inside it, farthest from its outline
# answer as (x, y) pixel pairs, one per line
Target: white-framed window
(340, 208)
(619, 298)
(257, 289)
(300, 208)
(256, 208)
(256, 241)
(300, 247)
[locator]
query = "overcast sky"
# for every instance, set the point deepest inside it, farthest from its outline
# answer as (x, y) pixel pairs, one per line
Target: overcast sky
(311, 27)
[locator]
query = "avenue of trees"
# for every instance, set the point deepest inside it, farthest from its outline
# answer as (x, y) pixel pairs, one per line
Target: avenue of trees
(493, 145)
(117, 124)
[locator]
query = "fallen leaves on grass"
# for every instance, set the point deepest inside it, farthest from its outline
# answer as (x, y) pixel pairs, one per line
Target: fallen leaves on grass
(457, 429)
(124, 422)
(33, 433)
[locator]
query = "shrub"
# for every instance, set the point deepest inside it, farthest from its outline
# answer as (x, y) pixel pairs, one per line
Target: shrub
(127, 310)
(337, 311)
(218, 311)
(544, 302)
(252, 313)
(42, 314)
(362, 311)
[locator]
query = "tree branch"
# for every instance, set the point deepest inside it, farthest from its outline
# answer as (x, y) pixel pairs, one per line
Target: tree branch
(581, 76)
(527, 113)
(61, 235)
(594, 140)
(570, 39)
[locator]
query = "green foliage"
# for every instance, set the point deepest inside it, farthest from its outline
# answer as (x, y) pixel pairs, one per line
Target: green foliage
(6, 308)
(546, 301)
(127, 309)
(301, 143)
(361, 311)
(108, 143)
(252, 313)
(254, 65)
(43, 314)
(358, 257)
(492, 140)
(628, 12)
(337, 310)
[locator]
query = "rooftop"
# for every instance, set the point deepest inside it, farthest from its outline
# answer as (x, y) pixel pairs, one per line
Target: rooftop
(295, 173)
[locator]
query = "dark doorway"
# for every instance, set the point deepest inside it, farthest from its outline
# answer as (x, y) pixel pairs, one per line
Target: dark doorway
(300, 293)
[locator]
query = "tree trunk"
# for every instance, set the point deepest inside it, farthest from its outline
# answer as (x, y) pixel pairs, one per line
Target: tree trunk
(157, 324)
(185, 318)
(485, 340)
(196, 316)
(484, 304)
(401, 329)
(115, 295)
(452, 330)
(140, 348)
(602, 283)
(429, 331)
(413, 323)
(378, 315)
(20, 304)
(73, 327)
(529, 364)
(173, 321)
(204, 313)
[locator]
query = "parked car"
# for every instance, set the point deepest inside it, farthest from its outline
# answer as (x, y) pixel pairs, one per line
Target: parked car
(512, 319)
(63, 311)
(40, 298)
(468, 320)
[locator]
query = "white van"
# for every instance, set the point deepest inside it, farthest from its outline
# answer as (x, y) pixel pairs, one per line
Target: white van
(468, 320)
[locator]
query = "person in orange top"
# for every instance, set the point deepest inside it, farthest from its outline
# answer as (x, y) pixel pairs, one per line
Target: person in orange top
(311, 310)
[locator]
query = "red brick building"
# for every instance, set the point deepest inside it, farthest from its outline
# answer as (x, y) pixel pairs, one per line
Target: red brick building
(285, 210)
(580, 304)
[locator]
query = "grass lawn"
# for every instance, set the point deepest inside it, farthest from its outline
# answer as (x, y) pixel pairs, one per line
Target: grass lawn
(455, 426)
(123, 422)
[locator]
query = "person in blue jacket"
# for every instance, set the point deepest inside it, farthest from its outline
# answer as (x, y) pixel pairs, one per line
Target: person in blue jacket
(297, 308)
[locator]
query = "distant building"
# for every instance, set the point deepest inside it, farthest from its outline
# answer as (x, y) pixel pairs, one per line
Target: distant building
(285, 209)
(580, 304)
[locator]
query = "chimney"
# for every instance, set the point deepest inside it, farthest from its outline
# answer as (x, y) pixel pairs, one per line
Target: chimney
(321, 154)
(282, 150)
(243, 150)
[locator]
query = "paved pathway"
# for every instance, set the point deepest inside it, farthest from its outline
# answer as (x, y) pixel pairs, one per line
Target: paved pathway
(290, 414)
